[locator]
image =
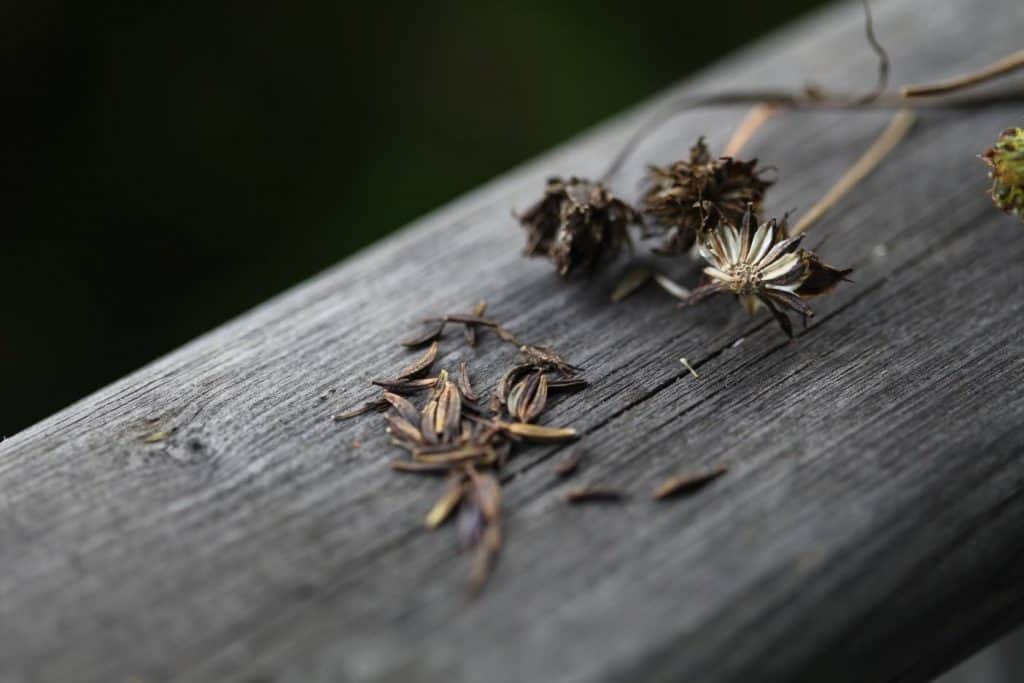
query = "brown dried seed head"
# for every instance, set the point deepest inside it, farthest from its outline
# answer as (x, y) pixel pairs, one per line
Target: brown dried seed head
(690, 197)
(578, 225)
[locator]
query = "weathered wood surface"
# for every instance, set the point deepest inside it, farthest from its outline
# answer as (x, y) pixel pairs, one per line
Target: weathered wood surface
(870, 530)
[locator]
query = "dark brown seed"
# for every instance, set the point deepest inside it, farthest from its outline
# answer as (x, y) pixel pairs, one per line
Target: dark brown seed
(538, 433)
(431, 334)
(446, 504)
(488, 493)
(543, 356)
(590, 494)
(470, 330)
(484, 557)
(448, 420)
(465, 319)
(402, 429)
(367, 407)
(404, 408)
(567, 384)
(516, 395)
(406, 386)
(510, 379)
(688, 483)
(507, 336)
(453, 455)
(465, 385)
(530, 409)
(569, 464)
(428, 419)
(421, 365)
(420, 467)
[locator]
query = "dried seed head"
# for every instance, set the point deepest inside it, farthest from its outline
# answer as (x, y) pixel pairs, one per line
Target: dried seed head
(578, 224)
(1006, 161)
(764, 266)
(689, 197)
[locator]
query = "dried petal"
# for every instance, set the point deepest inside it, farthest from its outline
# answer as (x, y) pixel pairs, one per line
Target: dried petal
(533, 403)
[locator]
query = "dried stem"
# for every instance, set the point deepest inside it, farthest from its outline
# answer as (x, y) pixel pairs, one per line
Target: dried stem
(755, 118)
(799, 101)
(1004, 66)
(880, 148)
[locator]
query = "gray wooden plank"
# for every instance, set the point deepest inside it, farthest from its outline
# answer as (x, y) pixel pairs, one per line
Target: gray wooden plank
(869, 529)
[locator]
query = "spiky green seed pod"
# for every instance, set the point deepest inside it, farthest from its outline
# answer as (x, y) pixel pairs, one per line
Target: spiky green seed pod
(1006, 161)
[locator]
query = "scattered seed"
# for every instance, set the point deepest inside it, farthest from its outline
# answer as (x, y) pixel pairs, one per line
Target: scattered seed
(588, 494)
(446, 504)
(404, 408)
(156, 437)
(431, 334)
(672, 287)
(367, 407)
(633, 280)
(569, 464)
(688, 483)
(420, 365)
(465, 385)
(540, 433)
(689, 367)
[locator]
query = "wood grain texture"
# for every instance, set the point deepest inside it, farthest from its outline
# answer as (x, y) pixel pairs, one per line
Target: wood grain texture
(869, 529)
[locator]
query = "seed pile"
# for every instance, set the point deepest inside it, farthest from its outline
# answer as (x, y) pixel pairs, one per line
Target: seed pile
(453, 430)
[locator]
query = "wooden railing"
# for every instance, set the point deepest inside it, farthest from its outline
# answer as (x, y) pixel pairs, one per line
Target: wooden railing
(870, 528)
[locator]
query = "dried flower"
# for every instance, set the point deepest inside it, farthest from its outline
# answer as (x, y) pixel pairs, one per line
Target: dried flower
(578, 224)
(1006, 160)
(690, 197)
(764, 267)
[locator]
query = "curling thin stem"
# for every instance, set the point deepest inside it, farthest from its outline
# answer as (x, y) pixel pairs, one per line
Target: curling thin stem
(799, 101)
(1004, 66)
(896, 130)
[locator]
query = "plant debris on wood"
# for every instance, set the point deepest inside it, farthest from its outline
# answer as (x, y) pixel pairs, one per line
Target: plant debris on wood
(451, 430)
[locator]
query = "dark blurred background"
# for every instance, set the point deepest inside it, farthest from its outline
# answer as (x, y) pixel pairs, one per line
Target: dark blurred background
(169, 165)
